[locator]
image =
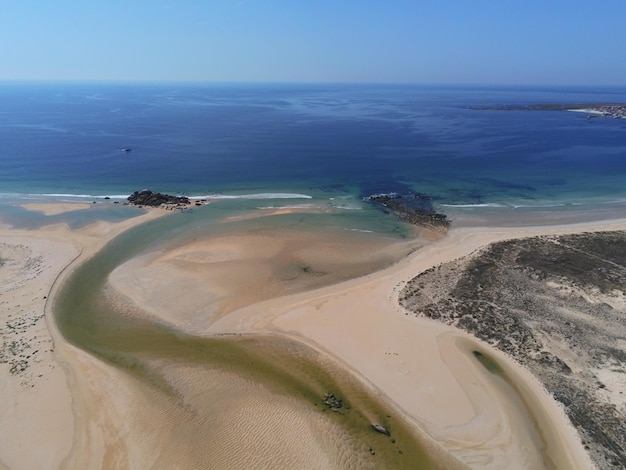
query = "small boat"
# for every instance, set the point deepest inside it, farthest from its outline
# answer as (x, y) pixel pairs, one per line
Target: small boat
(127, 149)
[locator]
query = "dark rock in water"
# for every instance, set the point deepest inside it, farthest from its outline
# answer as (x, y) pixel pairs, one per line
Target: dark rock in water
(331, 401)
(416, 209)
(381, 429)
(152, 199)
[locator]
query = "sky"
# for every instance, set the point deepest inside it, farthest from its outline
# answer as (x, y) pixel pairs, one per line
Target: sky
(560, 42)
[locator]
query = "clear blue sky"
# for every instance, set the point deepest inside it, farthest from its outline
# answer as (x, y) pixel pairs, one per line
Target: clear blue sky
(434, 41)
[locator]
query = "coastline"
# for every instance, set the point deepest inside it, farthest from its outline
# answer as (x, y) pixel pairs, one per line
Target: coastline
(555, 304)
(357, 322)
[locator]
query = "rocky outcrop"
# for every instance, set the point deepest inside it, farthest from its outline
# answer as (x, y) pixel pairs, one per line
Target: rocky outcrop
(153, 199)
(331, 401)
(416, 209)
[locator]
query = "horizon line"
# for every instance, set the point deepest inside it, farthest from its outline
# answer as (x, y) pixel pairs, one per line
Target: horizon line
(299, 82)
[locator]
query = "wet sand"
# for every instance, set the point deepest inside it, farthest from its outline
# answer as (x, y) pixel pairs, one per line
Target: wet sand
(426, 374)
(55, 208)
(191, 285)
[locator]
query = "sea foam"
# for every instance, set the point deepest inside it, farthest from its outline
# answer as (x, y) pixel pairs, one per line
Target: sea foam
(254, 196)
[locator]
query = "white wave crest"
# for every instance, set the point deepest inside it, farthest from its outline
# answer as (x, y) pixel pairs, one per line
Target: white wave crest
(254, 196)
(465, 206)
(292, 206)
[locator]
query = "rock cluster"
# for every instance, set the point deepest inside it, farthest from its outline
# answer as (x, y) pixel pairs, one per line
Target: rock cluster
(416, 209)
(153, 199)
(332, 402)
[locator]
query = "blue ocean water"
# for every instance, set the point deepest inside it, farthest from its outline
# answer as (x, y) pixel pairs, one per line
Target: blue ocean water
(329, 142)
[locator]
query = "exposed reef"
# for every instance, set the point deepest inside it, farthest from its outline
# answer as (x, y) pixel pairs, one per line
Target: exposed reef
(153, 199)
(558, 306)
(416, 209)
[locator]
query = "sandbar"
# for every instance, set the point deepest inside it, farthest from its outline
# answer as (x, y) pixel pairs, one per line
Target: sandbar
(55, 208)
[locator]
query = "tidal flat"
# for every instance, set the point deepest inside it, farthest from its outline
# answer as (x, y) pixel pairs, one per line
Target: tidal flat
(282, 382)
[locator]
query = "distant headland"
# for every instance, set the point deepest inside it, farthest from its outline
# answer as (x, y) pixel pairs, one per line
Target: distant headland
(609, 110)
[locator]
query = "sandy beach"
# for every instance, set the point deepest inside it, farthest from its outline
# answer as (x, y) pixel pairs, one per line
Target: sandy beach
(85, 413)
(38, 405)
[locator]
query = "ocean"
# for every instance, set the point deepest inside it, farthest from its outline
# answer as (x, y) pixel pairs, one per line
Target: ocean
(332, 143)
